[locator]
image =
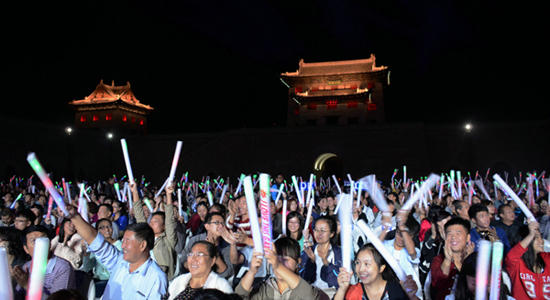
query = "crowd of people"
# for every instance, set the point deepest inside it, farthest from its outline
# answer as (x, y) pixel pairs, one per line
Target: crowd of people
(187, 240)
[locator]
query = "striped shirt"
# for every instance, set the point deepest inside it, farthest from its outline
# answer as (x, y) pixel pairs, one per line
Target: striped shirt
(236, 225)
(59, 276)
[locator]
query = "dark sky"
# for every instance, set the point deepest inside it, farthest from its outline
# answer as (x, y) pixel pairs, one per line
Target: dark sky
(213, 65)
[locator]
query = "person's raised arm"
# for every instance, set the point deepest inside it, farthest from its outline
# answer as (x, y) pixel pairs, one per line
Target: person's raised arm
(137, 205)
(171, 223)
(533, 227)
(402, 216)
(291, 278)
(86, 231)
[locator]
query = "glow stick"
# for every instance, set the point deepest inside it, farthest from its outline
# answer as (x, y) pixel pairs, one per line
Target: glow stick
(383, 251)
(117, 189)
(482, 272)
(405, 177)
(530, 190)
(309, 189)
(359, 193)
(489, 169)
(50, 206)
(394, 173)
(309, 210)
(265, 210)
(253, 214)
(38, 272)
(83, 208)
(441, 187)
(428, 184)
(130, 198)
(337, 204)
(298, 190)
(346, 232)
(127, 160)
(223, 193)
(459, 183)
(370, 183)
(35, 164)
(175, 161)
(6, 289)
(337, 184)
(511, 193)
(240, 184)
(279, 194)
(470, 192)
(162, 187)
(180, 210)
(284, 216)
(496, 270)
(64, 186)
(210, 198)
(148, 204)
(482, 188)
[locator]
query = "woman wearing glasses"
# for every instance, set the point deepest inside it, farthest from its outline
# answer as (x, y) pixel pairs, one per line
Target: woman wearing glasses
(201, 261)
(322, 261)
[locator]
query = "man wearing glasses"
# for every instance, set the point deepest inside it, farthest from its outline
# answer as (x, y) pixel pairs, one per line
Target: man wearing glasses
(24, 219)
(214, 224)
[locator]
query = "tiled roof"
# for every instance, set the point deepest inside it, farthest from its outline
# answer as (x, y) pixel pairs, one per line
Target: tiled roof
(110, 93)
(336, 67)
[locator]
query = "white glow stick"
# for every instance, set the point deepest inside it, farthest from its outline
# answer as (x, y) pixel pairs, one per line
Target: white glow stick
(240, 184)
(281, 186)
(162, 187)
(253, 214)
(441, 187)
(507, 189)
(265, 210)
(479, 184)
(38, 272)
(130, 204)
(37, 167)
(284, 216)
(359, 193)
(83, 208)
(298, 190)
(383, 251)
(224, 190)
(428, 184)
(180, 210)
(309, 189)
(127, 160)
(370, 183)
(346, 232)
(309, 210)
(482, 272)
(337, 184)
(210, 198)
(175, 161)
(496, 270)
(6, 289)
(459, 183)
(338, 204)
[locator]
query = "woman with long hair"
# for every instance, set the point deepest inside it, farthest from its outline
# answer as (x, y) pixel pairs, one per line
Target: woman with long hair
(69, 245)
(377, 279)
(434, 240)
(119, 215)
(295, 228)
(526, 264)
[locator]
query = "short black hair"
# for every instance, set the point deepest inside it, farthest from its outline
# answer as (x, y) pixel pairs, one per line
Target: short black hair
(501, 208)
(209, 216)
(475, 209)
(108, 206)
(28, 214)
(34, 228)
(458, 221)
(143, 232)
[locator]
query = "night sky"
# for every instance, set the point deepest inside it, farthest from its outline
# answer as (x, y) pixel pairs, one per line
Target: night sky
(214, 65)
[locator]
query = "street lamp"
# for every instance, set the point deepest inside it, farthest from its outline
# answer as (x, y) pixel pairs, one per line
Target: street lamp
(109, 135)
(468, 127)
(68, 130)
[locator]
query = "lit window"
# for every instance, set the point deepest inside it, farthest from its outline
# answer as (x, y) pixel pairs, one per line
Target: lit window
(83, 118)
(95, 118)
(140, 121)
(108, 117)
(332, 104)
(297, 90)
(133, 119)
(124, 118)
(371, 106)
(352, 105)
(370, 85)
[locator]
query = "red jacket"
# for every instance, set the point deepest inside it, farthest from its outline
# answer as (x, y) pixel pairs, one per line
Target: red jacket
(526, 284)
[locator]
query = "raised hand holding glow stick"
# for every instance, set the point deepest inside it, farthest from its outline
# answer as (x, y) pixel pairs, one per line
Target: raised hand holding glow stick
(35, 164)
(265, 209)
(479, 184)
(508, 190)
(496, 270)
(482, 272)
(428, 184)
(309, 210)
(369, 182)
(345, 231)
(6, 290)
(382, 249)
(38, 272)
(281, 186)
(253, 214)
(83, 209)
(240, 184)
(162, 187)
(127, 160)
(224, 190)
(148, 204)
(298, 190)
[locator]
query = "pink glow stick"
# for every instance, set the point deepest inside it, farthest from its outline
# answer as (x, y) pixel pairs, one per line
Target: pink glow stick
(175, 162)
(253, 214)
(6, 290)
(37, 167)
(482, 272)
(38, 271)
(265, 210)
(284, 216)
(50, 206)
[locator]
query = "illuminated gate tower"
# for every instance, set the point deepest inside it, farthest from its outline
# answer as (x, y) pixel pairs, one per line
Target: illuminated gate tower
(336, 93)
(113, 108)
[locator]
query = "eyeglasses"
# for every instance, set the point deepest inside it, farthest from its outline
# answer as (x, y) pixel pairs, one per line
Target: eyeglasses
(217, 223)
(197, 255)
